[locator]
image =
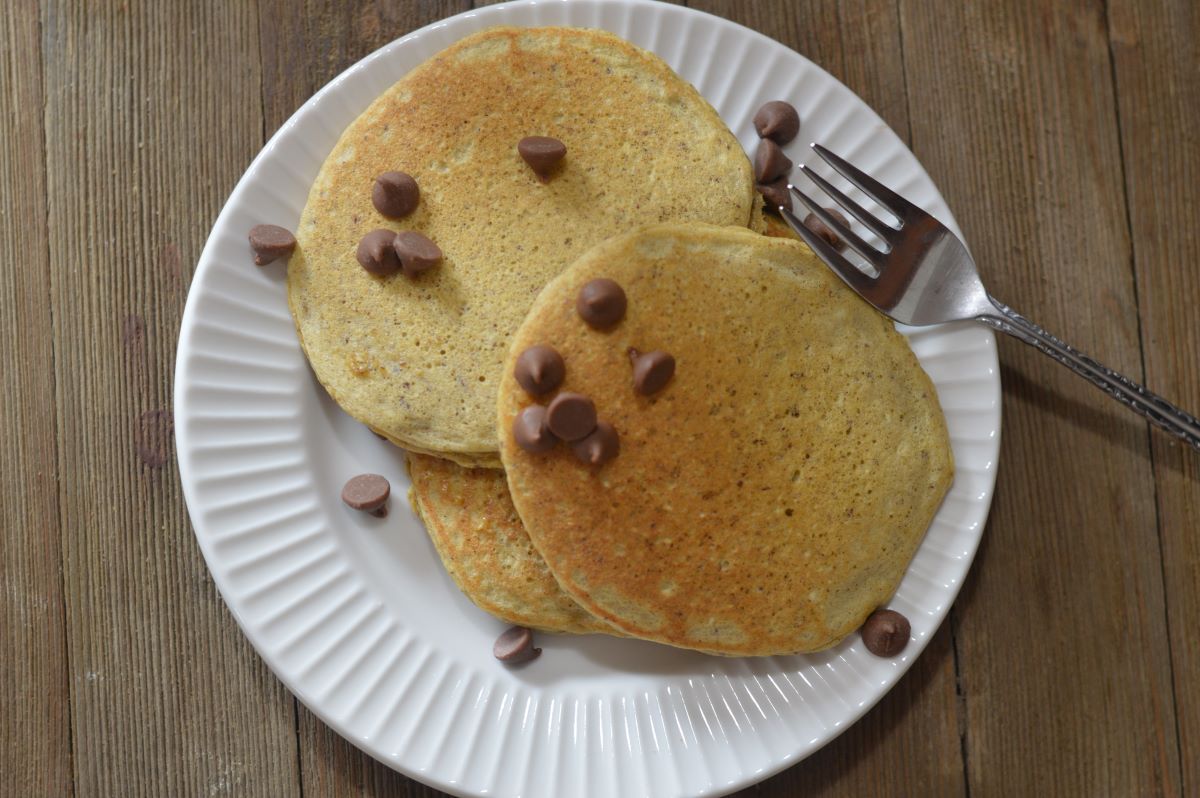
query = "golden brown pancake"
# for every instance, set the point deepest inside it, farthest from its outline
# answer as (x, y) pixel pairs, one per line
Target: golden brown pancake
(471, 521)
(419, 359)
(773, 493)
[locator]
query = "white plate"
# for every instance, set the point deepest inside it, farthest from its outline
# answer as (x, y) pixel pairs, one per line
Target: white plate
(357, 616)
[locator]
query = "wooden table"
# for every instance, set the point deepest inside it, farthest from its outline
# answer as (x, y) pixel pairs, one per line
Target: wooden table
(1065, 137)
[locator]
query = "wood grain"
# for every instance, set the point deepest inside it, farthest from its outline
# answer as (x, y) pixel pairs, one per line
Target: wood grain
(35, 758)
(857, 41)
(1063, 135)
(1157, 67)
(1061, 633)
(152, 111)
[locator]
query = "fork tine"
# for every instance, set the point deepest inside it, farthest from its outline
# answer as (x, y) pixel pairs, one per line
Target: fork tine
(885, 232)
(843, 232)
(850, 274)
(900, 207)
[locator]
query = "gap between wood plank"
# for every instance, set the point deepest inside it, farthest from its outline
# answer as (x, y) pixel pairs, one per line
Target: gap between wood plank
(837, 15)
(1137, 307)
(262, 96)
(299, 751)
(960, 704)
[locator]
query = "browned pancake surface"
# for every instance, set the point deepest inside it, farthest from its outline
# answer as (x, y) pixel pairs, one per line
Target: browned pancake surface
(774, 492)
(419, 359)
(476, 531)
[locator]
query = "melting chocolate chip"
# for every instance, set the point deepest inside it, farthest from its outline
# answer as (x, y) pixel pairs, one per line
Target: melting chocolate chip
(601, 303)
(598, 446)
(367, 492)
(395, 194)
(770, 163)
(515, 645)
(571, 416)
(531, 432)
(886, 633)
(542, 153)
(652, 371)
(814, 223)
(377, 254)
(777, 121)
(270, 243)
(539, 370)
(776, 193)
(417, 253)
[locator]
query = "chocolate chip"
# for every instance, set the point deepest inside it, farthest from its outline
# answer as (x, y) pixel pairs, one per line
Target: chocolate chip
(270, 243)
(598, 446)
(886, 633)
(395, 194)
(601, 303)
(571, 416)
(515, 645)
(367, 492)
(652, 371)
(531, 432)
(770, 163)
(776, 193)
(812, 222)
(416, 252)
(539, 370)
(376, 253)
(542, 153)
(777, 121)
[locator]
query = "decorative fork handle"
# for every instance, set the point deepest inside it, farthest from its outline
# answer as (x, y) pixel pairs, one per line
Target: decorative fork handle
(1158, 410)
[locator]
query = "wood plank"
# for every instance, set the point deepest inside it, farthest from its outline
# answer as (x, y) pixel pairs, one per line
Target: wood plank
(35, 755)
(912, 737)
(1061, 633)
(1157, 63)
(301, 52)
(152, 111)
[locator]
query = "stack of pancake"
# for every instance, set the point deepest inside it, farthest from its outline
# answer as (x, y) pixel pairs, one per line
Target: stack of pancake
(764, 501)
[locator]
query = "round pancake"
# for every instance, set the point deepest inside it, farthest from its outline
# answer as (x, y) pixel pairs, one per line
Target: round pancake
(476, 531)
(419, 359)
(773, 493)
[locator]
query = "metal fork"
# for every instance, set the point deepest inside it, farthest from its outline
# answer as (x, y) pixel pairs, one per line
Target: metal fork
(926, 276)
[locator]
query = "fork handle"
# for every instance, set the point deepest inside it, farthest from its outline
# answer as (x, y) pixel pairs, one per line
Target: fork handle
(1179, 423)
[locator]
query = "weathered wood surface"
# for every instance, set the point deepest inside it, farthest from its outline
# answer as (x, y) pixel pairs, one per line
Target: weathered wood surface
(1065, 137)
(1063, 650)
(151, 111)
(1156, 58)
(35, 758)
